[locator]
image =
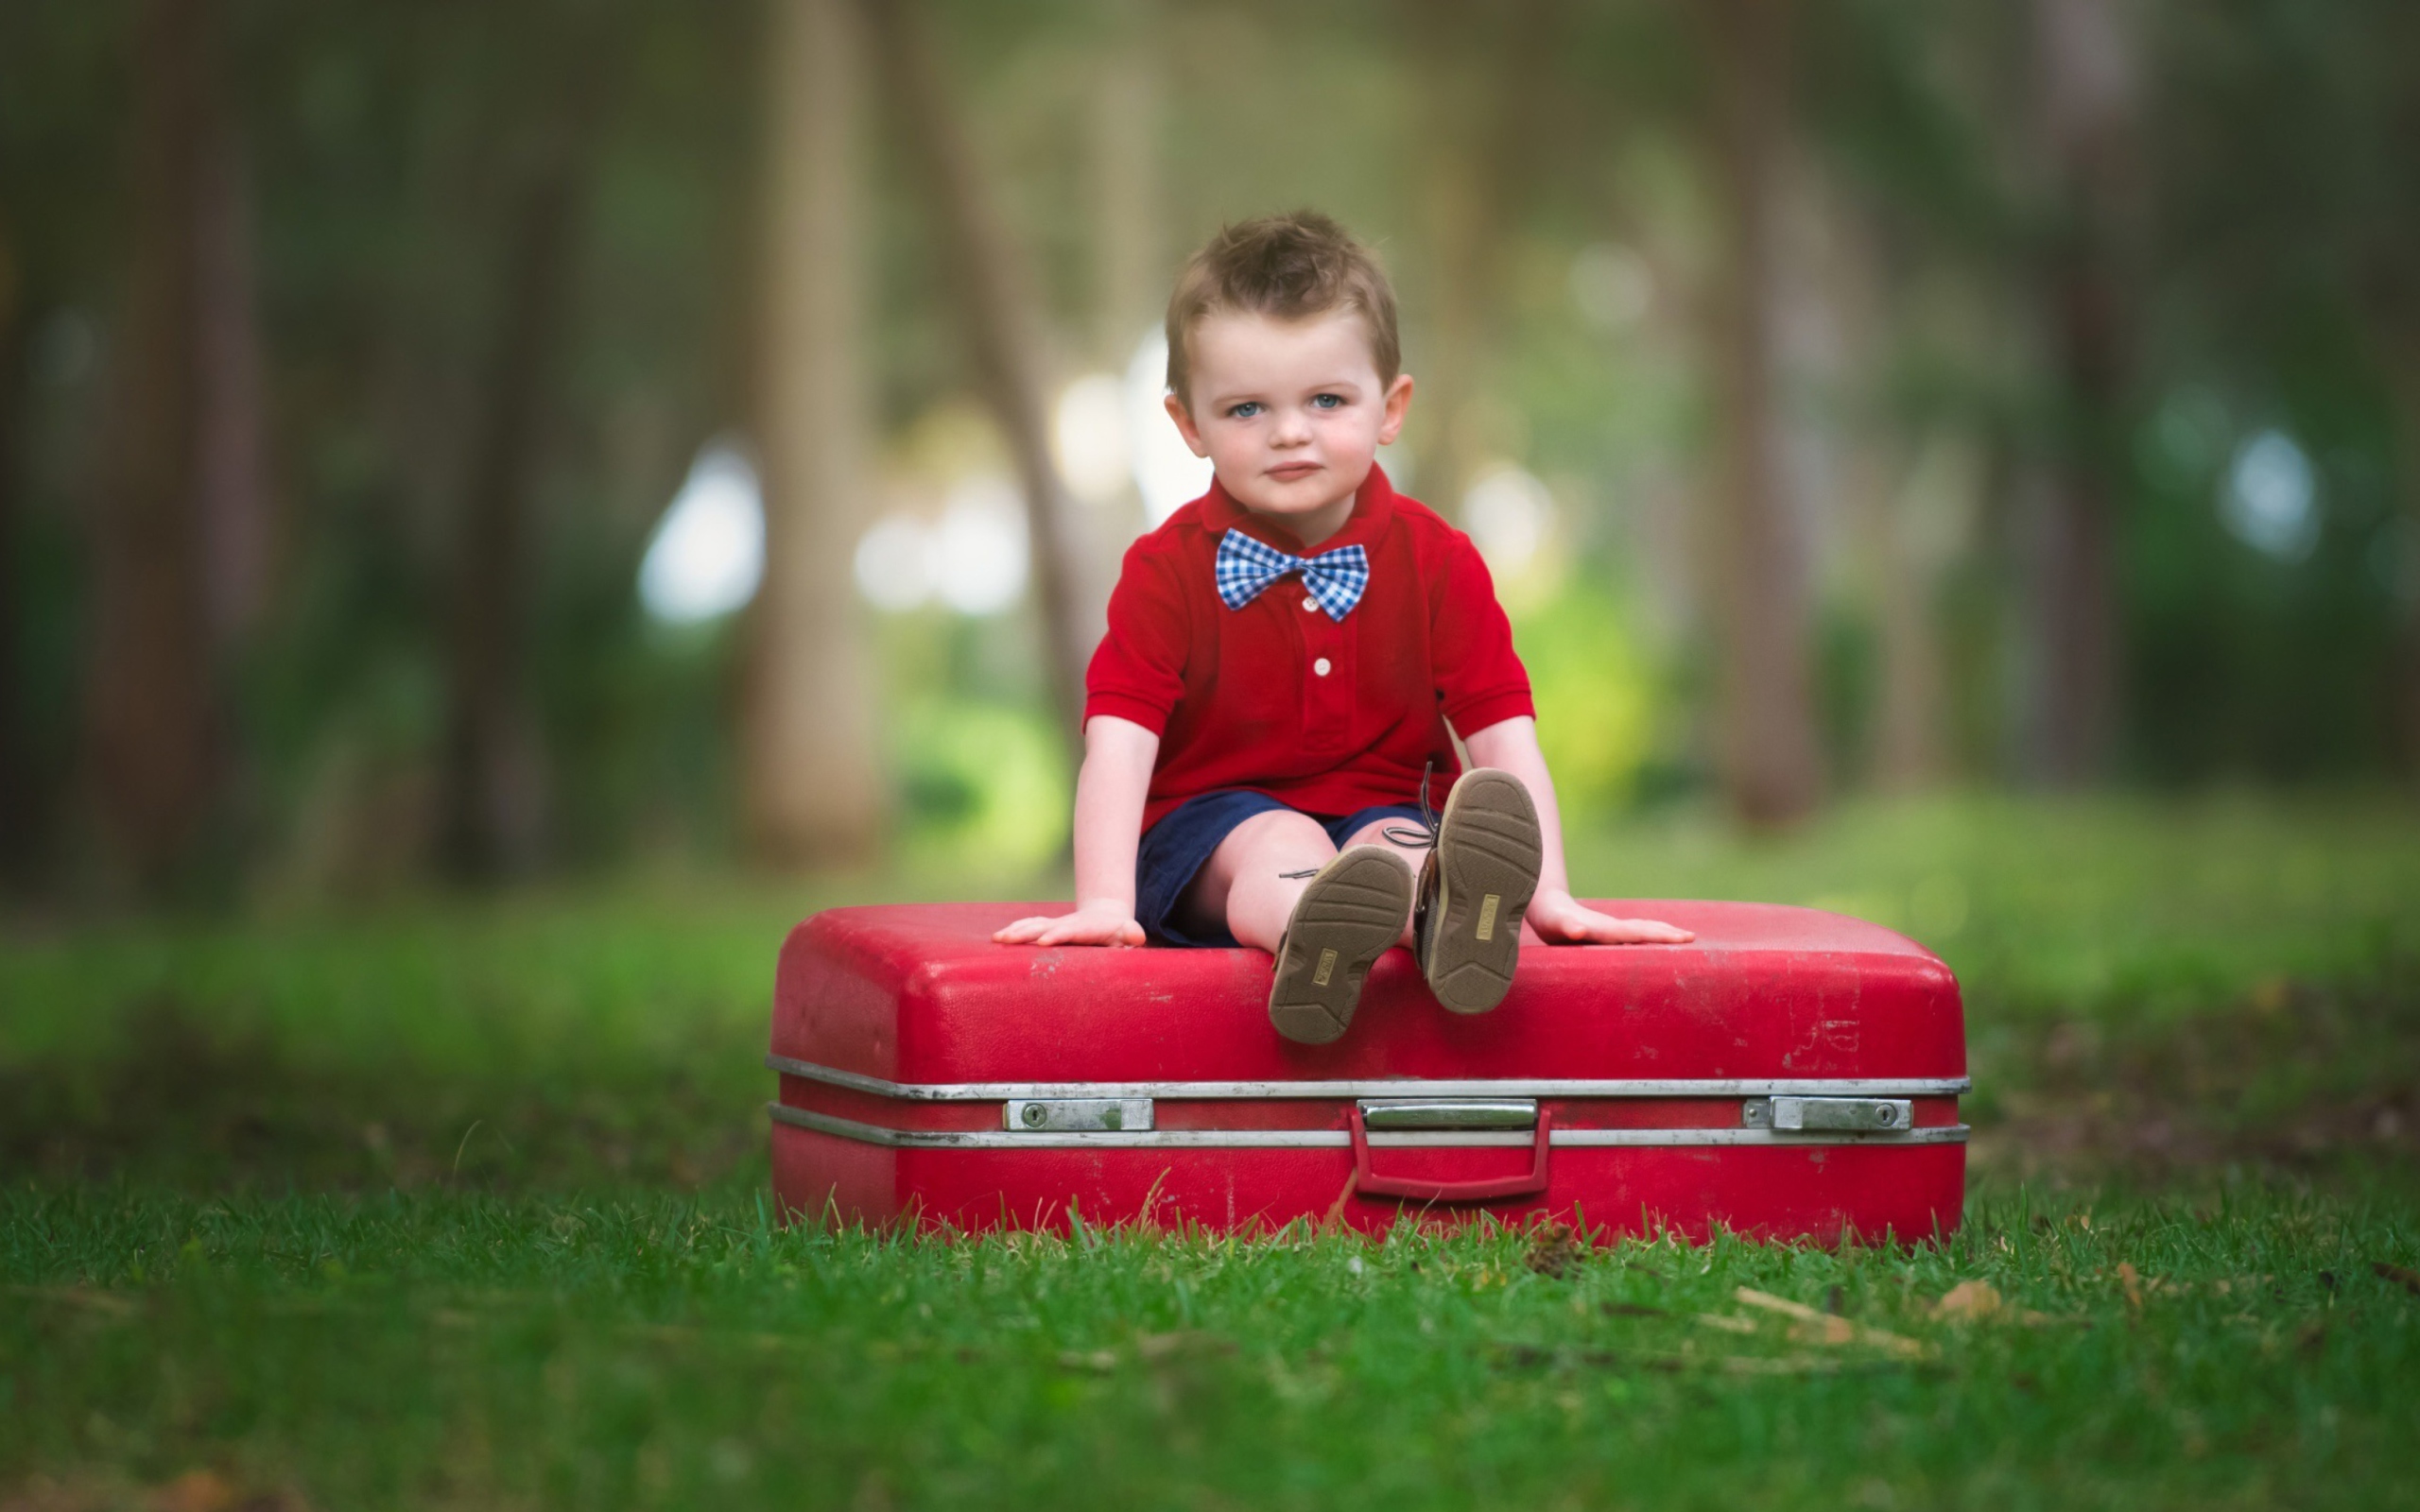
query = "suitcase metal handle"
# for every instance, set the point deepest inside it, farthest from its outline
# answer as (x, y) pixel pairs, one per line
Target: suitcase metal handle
(1370, 1183)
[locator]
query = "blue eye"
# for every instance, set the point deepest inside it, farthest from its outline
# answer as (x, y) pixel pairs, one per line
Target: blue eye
(1245, 410)
(1327, 401)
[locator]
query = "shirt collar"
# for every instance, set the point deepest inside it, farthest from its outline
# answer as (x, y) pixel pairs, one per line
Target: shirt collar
(1374, 505)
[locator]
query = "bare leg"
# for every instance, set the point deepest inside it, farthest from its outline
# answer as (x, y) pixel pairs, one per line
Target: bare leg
(1374, 833)
(1258, 879)
(1240, 885)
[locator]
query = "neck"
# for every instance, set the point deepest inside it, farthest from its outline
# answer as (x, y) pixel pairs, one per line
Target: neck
(1312, 528)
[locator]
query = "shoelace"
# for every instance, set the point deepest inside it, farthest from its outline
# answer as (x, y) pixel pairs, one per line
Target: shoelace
(1423, 839)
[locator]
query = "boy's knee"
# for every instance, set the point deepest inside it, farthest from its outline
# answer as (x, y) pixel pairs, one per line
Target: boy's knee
(1286, 830)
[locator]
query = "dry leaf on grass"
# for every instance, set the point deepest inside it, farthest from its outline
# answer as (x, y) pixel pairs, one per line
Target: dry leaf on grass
(1968, 1301)
(1822, 1328)
(1728, 1325)
(1151, 1346)
(1833, 1330)
(82, 1492)
(2133, 1281)
(83, 1297)
(1555, 1251)
(2402, 1276)
(195, 1491)
(1782, 1305)
(1788, 1365)
(1976, 1301)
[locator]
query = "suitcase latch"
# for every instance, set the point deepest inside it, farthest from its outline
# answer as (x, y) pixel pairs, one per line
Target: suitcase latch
(1078, 1115)
(1871, 1115)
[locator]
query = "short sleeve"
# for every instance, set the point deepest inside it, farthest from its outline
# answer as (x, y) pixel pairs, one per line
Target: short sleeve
(1139, 671)
(1480, 681)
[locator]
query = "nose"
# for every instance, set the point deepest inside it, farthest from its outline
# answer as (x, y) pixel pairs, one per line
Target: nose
(1294, 428)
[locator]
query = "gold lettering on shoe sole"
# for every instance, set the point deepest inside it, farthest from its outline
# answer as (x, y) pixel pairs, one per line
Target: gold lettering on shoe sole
(1487, 915)
(1327, 969)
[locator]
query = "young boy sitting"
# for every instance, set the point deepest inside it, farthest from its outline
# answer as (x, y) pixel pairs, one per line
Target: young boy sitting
(1284, 657)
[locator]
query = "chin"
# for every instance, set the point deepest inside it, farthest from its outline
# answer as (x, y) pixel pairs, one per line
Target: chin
(1313, 491)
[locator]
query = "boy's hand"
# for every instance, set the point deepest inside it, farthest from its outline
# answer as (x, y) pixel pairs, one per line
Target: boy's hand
(1095, 925)
(1561, 920)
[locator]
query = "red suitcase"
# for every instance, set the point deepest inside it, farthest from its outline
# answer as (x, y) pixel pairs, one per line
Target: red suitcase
(1792, 1074)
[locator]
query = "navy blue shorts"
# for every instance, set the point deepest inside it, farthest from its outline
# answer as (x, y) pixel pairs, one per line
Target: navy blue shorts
(1173, 850)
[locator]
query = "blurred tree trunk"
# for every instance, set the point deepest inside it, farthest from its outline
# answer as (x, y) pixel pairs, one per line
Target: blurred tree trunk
(1768, 750)
(812, 784)
(2406, 379)
(1133, 271)
(2386, 276)
(1482, 114)
(1895, 499)
(176, 533)
(20, 818)
(1911, 716)
(1130, 279)
(1004, 332)
(490, 794)
(234, 482)
(1460, 229)
(2085, 97)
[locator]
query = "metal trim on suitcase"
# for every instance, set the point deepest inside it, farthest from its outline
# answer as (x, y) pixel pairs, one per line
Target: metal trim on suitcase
(849, 1129)
(1435, 1114)
(993, 1092)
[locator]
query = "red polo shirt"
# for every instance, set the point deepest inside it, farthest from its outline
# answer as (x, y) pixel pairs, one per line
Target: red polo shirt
(1326, 716)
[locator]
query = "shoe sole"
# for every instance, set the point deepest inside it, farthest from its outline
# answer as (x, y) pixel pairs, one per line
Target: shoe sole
(1488, 854)
(1345, 919)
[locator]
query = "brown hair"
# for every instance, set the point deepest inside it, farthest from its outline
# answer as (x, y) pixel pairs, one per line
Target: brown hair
(1290, 268)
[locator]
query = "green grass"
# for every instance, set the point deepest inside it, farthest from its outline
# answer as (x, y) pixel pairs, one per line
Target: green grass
(2105, 907)
(456, 1203)
(417, 1350)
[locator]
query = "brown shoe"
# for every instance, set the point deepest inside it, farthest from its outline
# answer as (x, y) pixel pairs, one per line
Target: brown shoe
(1345, 919)
(1474, 889)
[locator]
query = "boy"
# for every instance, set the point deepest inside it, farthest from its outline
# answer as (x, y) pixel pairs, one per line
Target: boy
(1284, 657)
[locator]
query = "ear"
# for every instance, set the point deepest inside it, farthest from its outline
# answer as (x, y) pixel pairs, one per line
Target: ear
(1398, 403)
(1185, 425)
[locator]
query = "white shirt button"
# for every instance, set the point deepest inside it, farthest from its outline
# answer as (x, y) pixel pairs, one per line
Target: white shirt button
(1309, 602)
(1321, 666)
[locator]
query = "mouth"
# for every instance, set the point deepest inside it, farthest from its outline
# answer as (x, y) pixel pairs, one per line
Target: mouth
(1289, 471)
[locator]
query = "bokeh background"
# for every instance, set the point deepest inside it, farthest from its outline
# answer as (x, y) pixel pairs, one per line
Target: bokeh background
(506, 506)
(462, 442)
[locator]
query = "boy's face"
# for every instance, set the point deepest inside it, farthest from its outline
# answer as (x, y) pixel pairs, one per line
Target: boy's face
(1291, 413)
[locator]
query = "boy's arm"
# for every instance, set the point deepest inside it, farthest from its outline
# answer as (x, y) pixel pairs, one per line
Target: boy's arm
(1116, 776)
(1512, 745)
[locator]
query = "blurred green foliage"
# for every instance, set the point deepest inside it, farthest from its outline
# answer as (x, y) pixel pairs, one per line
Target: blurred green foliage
(2266, 257)
(1596, 695)
(986, 784)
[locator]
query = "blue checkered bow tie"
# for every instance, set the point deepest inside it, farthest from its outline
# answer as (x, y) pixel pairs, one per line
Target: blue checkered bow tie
(1335, 578)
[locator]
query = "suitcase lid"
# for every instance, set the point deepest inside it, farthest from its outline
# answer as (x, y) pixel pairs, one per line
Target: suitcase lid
(919, 994)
